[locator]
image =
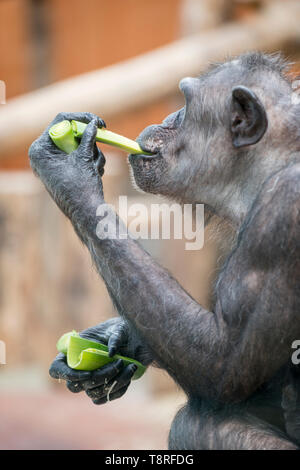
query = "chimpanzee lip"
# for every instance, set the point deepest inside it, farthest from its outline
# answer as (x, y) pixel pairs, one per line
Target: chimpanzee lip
(154, 148)
(146, 157)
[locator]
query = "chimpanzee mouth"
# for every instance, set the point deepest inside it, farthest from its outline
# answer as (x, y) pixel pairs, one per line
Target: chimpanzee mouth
(154, 138)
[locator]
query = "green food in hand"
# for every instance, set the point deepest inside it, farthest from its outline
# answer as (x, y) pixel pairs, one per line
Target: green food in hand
(66, 135)
(63, 136)
(84, 354)
(63, 342)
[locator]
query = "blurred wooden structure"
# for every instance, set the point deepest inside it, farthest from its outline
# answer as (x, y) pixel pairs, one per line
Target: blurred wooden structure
(145, 79)
(42, 41)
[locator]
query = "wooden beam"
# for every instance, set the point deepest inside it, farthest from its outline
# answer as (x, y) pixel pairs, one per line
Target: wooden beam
(146, 78)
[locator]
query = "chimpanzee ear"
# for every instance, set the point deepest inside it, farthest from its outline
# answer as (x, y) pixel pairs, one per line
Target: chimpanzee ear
(248, 117)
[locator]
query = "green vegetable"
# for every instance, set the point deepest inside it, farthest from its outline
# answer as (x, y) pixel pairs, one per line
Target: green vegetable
(84, 354)
(63, 342)
(65, 135)
(62, 135)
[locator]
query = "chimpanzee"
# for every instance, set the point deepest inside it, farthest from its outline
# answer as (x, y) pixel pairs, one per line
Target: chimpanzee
(235, 146)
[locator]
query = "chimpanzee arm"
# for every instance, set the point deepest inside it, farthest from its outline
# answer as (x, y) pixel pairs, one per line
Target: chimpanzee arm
(226, 353)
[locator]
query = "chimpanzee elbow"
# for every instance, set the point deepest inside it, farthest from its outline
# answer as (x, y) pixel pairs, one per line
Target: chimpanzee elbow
(225, 388)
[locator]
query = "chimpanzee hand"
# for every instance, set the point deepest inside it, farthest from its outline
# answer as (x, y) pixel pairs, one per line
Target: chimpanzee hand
(73, 181)
(112, 380)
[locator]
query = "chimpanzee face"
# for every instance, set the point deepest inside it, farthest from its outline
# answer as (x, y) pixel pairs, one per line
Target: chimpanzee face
(208, 150)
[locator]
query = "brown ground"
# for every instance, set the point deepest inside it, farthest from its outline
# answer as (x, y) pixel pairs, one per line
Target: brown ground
(61, 420)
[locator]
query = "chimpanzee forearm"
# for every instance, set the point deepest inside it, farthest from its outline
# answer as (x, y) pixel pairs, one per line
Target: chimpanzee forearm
(165, 316)
(134, 340)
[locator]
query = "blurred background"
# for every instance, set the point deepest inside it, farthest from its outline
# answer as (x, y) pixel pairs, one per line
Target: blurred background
(121, 59)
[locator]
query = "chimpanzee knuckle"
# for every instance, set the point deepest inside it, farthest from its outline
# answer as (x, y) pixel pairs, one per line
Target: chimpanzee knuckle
(83, 117)
(113, 341)
(95, 393)
(98, 333)
(88, 117)
(129, 372)
(143, 355)
(118, 331)
(104, 374)
(115, 369)
(34, 150)
(97, 379)
(55, 369)
(100, 401)
(118, 366)
(92, 116)
(64, 372)
(74, 387)
(77, 375)
(119, 393)
(63, 116)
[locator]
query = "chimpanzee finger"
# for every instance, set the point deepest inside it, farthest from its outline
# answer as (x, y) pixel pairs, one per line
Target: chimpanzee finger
(43, 146)
(85, 117)
(99, 162)
(82, 117)
(44, 138)
(119, 393)
(75, 387)
(124, 377)
(111, 397)
(88, 148)
(116, 339)
(103, 375)
(60, 370)
(120, 381)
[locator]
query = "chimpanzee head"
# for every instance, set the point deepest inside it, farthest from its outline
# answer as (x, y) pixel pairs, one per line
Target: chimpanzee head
(235, 130)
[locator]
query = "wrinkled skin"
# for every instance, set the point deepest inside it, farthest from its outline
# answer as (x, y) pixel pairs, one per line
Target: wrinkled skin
(235, 147)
